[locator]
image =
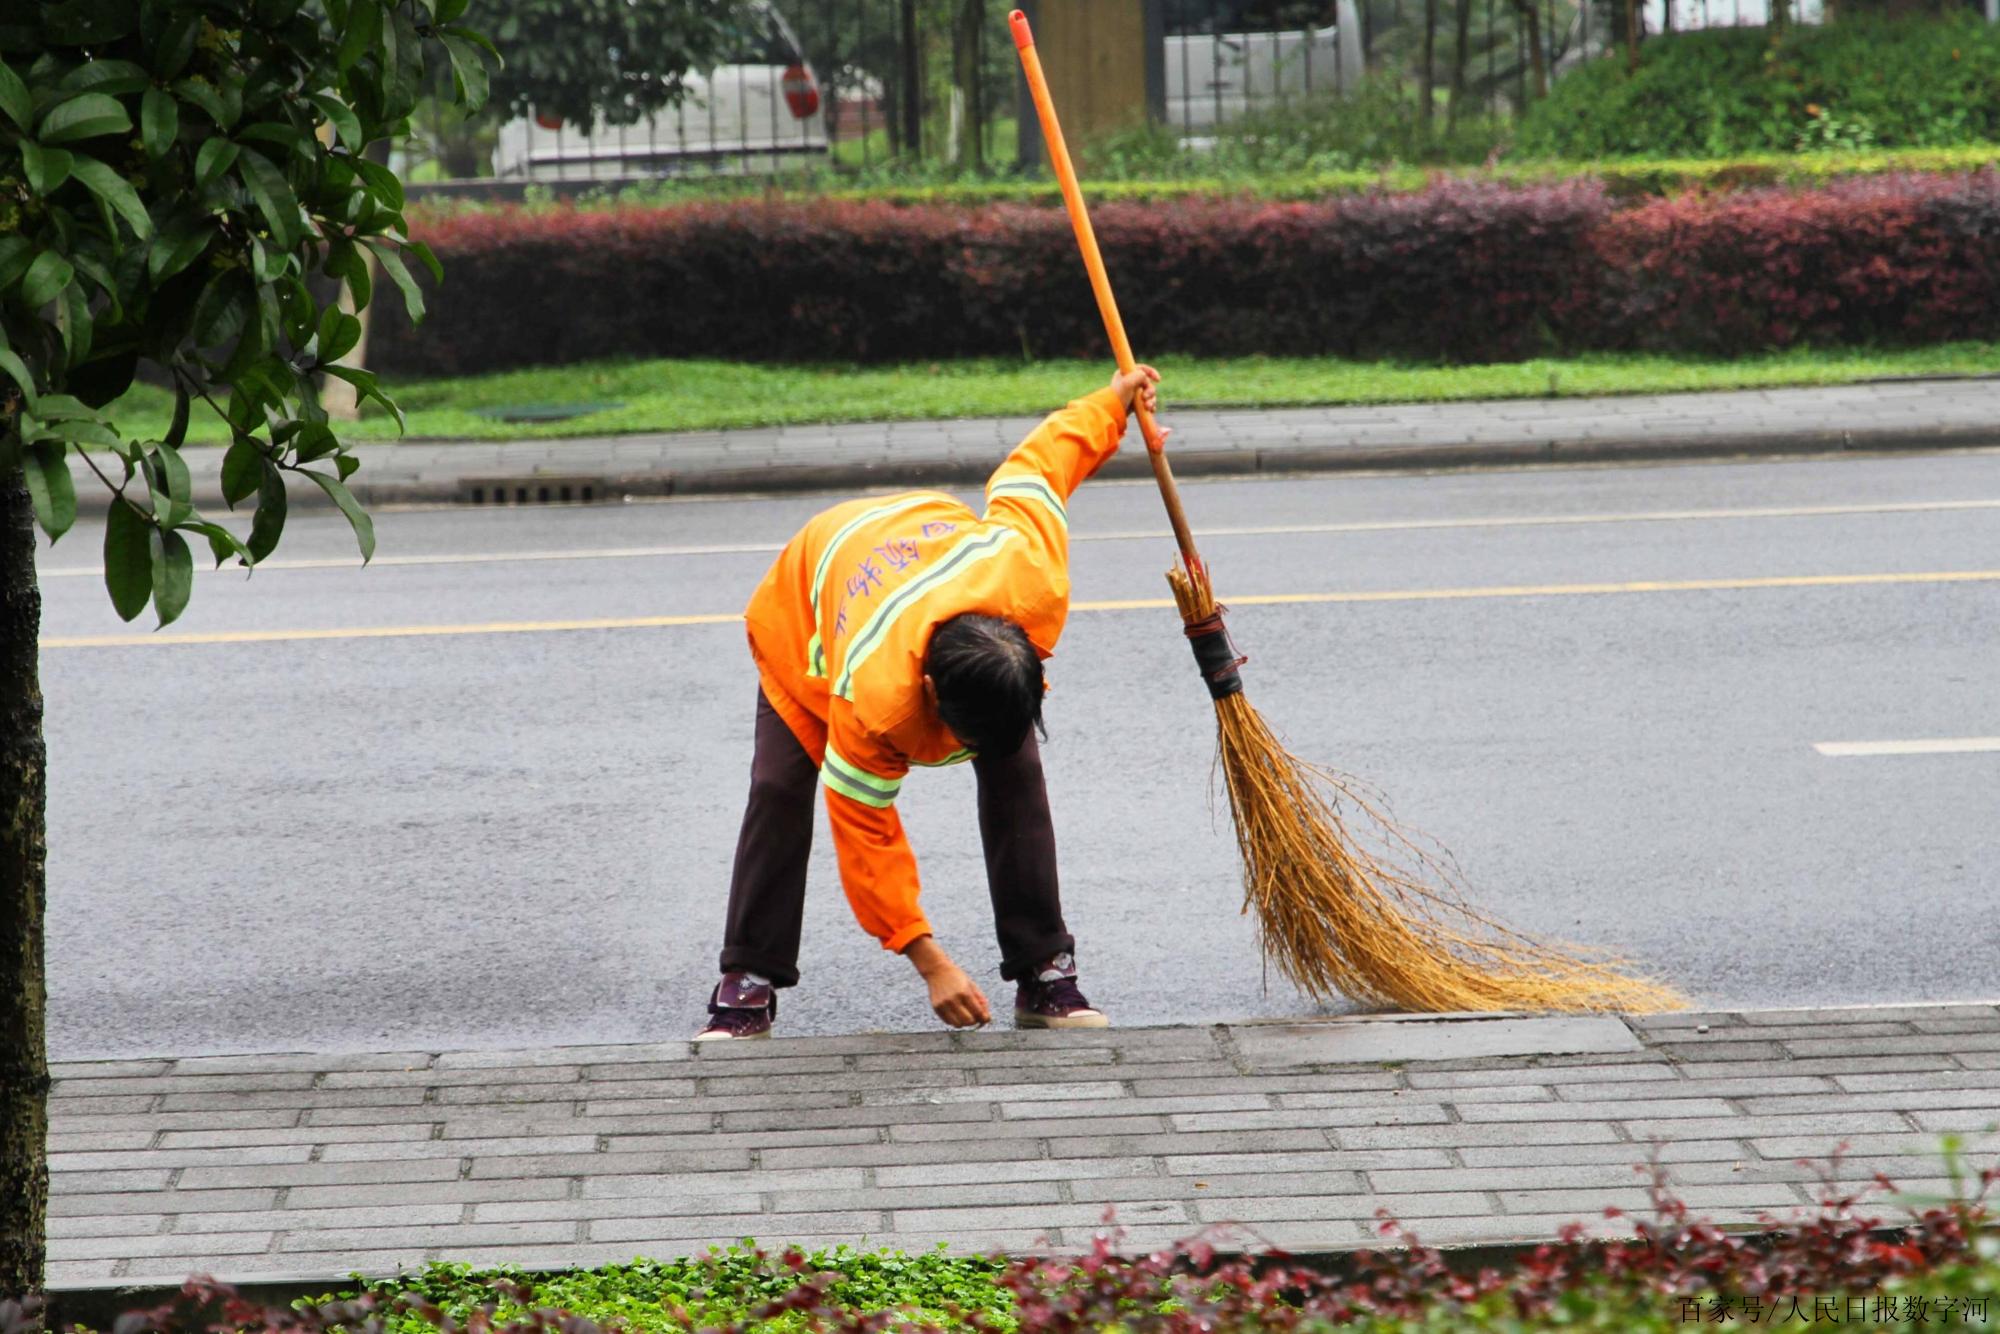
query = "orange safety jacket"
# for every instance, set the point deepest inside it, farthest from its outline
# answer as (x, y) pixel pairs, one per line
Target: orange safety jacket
(840, 626)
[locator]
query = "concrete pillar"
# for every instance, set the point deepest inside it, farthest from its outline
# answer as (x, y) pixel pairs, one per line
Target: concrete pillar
(1353, 59)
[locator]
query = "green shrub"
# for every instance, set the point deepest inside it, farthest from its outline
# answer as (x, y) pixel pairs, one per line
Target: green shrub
(1858, 84)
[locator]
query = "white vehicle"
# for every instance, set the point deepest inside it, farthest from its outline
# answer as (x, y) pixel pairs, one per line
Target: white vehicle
(1217, 76)
(759, 113)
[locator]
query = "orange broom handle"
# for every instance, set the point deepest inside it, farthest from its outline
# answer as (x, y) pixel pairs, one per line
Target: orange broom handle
(1093, 263)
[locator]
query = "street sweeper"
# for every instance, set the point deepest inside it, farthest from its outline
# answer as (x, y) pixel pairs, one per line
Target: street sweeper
(900, 631)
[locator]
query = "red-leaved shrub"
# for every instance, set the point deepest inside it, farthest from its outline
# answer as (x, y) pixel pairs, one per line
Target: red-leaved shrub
(1460, 271)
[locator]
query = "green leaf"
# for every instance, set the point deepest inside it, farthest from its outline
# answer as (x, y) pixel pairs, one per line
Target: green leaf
(451, 11)
(113, 189)
(205, 96)
(74, 322)
(365, 382)
(216, 156)
(128, 559)
(159, 122)
(362, 34)
(16, 253)
(221, 541)
(46, 277)
(274, 196)
(18, 370)
(175, 249)
(338, 333)
(51, 488)
(173, 573)
(14, 99)
(62, 408)
(344, 260)
(430, 260)
(271, 132)
(242, 470)
(346, 465)
(357, 518)
(345, 123)
(223, 308)
(85, 116)
(314, 441)
(176, 43)
(268, 525)
(381, 183)
(177, 429)
(114, 77)
(87, 22)
(46, 168)
(173, 502)
(468, 71)
(392, 264)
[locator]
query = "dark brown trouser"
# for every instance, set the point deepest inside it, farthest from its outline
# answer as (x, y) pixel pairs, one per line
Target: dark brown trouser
(767, 892)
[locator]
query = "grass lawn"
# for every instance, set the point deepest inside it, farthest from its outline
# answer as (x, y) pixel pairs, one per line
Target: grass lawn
(704, 395)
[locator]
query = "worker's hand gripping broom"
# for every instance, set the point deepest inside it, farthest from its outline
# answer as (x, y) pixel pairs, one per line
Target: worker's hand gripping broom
(1385, 929)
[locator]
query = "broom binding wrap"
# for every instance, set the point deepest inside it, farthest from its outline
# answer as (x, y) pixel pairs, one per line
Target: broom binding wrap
(1216, 654)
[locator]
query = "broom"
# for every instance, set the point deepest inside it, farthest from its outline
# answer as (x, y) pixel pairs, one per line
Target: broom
(1389, 929)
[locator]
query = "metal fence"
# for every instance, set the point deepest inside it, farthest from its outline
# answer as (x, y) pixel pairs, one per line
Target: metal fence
(853, 85)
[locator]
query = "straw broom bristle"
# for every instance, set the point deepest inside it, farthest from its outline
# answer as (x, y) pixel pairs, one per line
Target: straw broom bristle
(1390, 929)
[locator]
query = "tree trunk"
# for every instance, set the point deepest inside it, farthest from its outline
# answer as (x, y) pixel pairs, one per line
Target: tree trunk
(1632, 22)
(1461, 53)
(1427, 108)
(1538, 58)
(965, 73)
(1781, 15)
(912, 76)
(24, 1068)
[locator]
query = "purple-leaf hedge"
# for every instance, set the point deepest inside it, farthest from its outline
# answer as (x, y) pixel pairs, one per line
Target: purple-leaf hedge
(1461, 271)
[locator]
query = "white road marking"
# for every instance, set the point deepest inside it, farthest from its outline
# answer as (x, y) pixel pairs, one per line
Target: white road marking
(1127, 535)
(1960, 745)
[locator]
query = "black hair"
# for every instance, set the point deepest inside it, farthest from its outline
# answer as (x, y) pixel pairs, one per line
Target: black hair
(989, 682)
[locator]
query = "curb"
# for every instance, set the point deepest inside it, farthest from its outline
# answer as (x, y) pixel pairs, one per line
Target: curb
(552, 484)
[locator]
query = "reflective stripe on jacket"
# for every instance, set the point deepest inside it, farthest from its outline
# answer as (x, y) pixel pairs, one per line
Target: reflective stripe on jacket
(840, 625)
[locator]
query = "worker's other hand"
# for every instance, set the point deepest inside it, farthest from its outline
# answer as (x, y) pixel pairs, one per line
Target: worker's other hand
(955, 997)
(1138, 384)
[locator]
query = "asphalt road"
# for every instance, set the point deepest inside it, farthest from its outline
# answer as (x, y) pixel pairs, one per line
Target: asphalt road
(484, 839)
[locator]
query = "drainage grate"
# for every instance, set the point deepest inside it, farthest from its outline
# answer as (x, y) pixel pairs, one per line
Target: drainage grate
(534, 491)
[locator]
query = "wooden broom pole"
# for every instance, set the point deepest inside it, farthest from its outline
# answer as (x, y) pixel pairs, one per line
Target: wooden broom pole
(1093, 263)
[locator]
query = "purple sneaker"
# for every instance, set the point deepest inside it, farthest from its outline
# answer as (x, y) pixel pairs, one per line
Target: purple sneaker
(741, 1007)
(1052, 999)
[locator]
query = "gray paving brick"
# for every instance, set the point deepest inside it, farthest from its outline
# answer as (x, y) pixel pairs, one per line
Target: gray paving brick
(1753, 1085)
(147, 1158)
(195, 1246)
(1113, 1190)
(744, 1139)
(358, 1215)
(1896, 1100)
(1787, 1032)
(739, 1068)
(921, 1222)
(316, 1174)
(501, 1123)
(1620, 1152)
(1150, 1044)
(1430, 1097)
(1207, 1167)
(1460, 1134)
(100, 1183)
(857, 1044)
(1926, 1080)
(1097, 1091)
(1985, 1023)
(396, 1193)
(456, 1236)
(1964, 1118)
(1072, 1125)
(662, 1228)
(1734, 1127)
(1538, 1073)
(62, 1205)
(220, 1139)
(1721, 1051)
(78, 1273)
(104, 1225)
(799, 1105)
(65, 1089)
(923, 1197)
(1620, 1109)
(400, 1114)
(99, 1141)
(264, 1101)
(1212, 1102)
(1241, 1141)
(1852, 1018)
(1407, 1114)
(473, 1095)
(605, 1164)
(310, 1061)
(1634, 1199)
(721, 1086)
(869, 1155)
(1019, 1060)
(653, 1206)
(1955, 1043)
(1044, 1169)
(102, 1069)
(1345, 1082)
(888, 1114)
(404, 1150)
(730, 1182)
(1294, 1208)
(106, 1106)
(64, 1121)
(1695, 1070)
(516, 1060)
(423, 1078)
(1977, 1060)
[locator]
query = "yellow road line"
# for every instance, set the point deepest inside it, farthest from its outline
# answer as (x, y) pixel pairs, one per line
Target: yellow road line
(1116, 535)
(1129, 604)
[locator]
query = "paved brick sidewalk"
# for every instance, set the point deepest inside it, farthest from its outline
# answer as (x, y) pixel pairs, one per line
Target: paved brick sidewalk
(1478, 1128)
(1887, 415)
